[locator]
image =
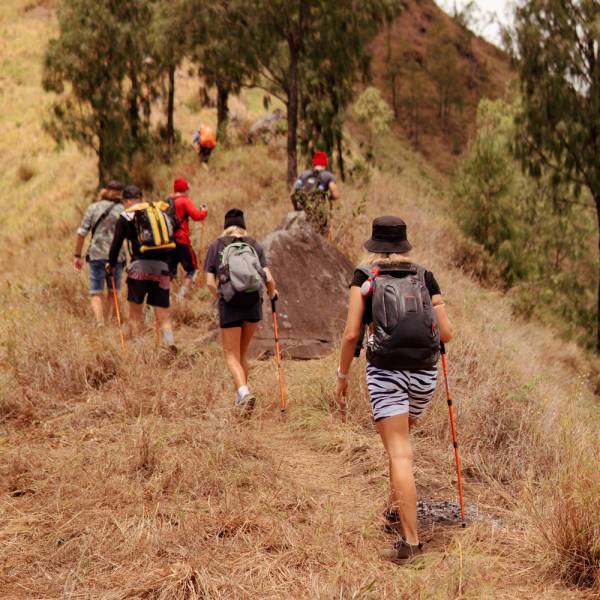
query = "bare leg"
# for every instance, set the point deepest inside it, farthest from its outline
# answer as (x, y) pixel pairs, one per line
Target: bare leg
(411, 424)
(97, 302)
(136, 318)
(163, 318)
(248, 330)
(396, 439)
(231, 339)
(109, 305)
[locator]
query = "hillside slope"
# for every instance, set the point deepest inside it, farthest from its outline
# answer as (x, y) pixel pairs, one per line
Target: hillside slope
(131, 477)
(476, 69)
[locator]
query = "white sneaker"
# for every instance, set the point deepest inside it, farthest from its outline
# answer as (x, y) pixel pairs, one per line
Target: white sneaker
(246, 402)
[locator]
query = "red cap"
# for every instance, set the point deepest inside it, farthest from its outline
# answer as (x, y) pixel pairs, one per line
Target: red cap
(320, 159)
(180, 186)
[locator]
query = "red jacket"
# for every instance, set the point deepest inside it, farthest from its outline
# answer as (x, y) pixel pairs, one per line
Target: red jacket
(185, 210)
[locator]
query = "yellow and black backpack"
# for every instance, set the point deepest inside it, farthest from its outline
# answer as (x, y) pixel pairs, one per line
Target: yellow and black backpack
(153, 225)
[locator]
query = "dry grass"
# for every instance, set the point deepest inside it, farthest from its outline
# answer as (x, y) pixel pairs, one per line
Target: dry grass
(132, 477)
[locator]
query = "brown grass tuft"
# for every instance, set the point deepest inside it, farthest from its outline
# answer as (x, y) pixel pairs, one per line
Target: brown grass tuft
(25, 173)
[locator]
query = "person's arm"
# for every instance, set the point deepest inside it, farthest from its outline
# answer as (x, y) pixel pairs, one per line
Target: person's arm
(77, 260)
(117, 243)
(211, 284)
(84, 229)
(334, 193)
(445, 326)
(356, 310)
(196, 214)
(271, 289)
(196, 142)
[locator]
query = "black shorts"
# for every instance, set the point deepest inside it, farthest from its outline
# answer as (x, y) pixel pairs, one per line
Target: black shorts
(244, 308)
(150, 291)
(239, 323)
(183, 254)
(205, 152)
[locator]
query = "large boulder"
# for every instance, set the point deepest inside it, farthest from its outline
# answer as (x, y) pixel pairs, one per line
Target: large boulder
(312, 277)
(268, 127)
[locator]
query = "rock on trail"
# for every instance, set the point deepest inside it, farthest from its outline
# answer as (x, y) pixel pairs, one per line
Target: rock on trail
(312, 278)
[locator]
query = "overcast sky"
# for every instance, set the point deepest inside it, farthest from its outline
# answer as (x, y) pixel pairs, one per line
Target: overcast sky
(490, 13)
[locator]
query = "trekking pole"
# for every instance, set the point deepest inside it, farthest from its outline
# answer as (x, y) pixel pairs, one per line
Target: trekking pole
(117, 311)
(278, 357)
(200, 279)
(453, 428)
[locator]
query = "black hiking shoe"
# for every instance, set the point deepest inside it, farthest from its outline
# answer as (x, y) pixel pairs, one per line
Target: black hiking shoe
(392, 522)
(402, 551)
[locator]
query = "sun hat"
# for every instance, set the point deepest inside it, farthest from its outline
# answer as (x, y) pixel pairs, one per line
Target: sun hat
(388, 235)
(180, 185)
(234, 218)
(320, 159)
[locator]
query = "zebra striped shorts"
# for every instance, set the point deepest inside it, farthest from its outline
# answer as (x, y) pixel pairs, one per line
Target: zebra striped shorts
(399, 392)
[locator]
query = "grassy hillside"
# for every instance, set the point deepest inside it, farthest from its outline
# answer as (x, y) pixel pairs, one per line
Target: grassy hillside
(131, 477)
(481, 70)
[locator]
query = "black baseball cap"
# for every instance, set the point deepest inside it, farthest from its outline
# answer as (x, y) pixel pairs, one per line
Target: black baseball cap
(115, 186)
(132, 192)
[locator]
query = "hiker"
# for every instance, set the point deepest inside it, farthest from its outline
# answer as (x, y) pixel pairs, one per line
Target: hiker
(184, 252)
(402, 306)
(100, 219)
(148, 276)
(204, 142)
(314, 191)
(237, 275)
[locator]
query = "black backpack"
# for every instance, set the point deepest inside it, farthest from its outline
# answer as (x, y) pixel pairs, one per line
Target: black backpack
(405, 330)
(311, 184)
(175, 222)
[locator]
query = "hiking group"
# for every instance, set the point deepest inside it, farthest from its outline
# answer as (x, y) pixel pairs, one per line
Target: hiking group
(395, 301)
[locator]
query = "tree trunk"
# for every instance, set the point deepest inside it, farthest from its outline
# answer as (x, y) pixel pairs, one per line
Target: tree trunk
(340, 156)
(292, 116)
(134, 114)
(101, 152)
(395, 97)
(171, 107)
(597, 201)
(222, 111)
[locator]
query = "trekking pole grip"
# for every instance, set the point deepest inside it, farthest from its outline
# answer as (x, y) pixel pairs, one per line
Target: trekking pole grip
(442, 348)
(274, 305)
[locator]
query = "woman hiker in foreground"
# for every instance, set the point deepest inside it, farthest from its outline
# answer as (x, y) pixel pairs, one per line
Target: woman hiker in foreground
(402, 304)
(237, 275)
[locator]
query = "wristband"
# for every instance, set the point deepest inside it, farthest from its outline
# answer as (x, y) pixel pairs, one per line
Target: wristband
(341, 375)
(77, 256)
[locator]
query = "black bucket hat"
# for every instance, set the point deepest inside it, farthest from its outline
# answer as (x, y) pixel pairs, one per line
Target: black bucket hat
(388, 236)
(234, 218)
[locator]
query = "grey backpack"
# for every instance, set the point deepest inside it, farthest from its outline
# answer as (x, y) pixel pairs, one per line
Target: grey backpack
(239, 269)
(405, 330)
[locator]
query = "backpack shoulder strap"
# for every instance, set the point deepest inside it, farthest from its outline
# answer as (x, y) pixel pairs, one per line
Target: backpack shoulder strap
(419, 272)
(102, 217)
(363, 269)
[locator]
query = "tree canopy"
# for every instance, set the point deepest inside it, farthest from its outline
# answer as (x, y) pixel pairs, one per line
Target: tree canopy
(558, 45)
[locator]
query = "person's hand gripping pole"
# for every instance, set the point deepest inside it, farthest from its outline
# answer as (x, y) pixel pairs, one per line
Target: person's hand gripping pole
(278, 355)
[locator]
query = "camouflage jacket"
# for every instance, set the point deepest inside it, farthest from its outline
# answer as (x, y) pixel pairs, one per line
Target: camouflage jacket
(102, 239)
